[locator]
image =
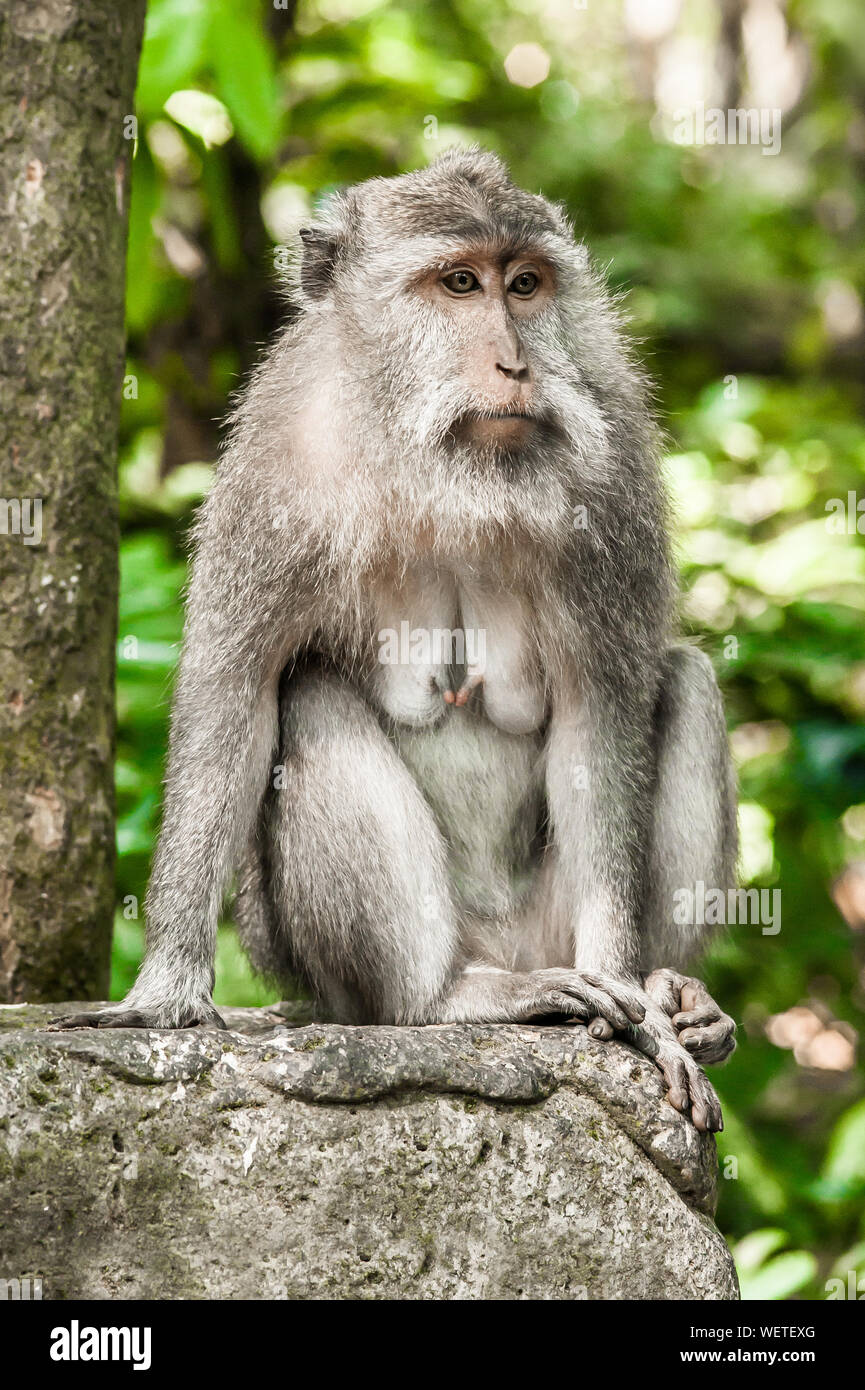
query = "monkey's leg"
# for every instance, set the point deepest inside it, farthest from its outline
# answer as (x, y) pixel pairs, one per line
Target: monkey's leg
(360, 888)
(601, 782)
(359, 876)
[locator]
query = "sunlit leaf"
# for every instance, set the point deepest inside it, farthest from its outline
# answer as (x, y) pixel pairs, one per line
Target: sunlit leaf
(173, 50)
(781, 1277)
(243, 60)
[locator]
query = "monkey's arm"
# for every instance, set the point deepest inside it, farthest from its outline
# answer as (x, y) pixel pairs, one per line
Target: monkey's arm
(599, 787)
(223, 735)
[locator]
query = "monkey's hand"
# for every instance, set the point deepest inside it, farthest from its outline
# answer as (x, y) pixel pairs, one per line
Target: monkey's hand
(127, 1015)
(688, 1087)
(707, 1032)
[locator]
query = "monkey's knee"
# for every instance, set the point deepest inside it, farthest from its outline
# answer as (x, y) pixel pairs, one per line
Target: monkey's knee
(317, 706)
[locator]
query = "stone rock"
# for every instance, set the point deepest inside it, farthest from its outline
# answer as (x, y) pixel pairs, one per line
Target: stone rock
(292, 1160)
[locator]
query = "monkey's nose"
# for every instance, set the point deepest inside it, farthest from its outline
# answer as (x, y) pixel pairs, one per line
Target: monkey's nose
(514, 369)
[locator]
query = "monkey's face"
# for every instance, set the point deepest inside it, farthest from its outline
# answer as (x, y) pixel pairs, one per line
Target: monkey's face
(484, 304)
(468, 347)
(464, 325)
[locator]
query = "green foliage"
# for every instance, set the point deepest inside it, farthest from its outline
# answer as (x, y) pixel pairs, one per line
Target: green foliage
(738, 272)
(765, 1274)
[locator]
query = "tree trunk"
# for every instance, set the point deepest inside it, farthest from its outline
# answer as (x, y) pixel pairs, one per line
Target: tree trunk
(67, 83)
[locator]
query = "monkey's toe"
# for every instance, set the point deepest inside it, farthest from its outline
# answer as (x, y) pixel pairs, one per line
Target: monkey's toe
(602, 1030)
(68, 1021)
(705, 1106)
(688, 1088)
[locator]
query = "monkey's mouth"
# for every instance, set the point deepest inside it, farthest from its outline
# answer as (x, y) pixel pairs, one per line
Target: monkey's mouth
(473, 416)
(505, 427)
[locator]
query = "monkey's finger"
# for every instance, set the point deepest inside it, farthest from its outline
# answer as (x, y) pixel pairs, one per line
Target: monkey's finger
(676, 1079)
(697, 1018)
(705, 1106)
(602, 1030)
(694, 995)
(712, 1044)
(100, 1019)
(662, 986)
(602, 1005)
(627, 999)
(551, 1002)
(128, 1018)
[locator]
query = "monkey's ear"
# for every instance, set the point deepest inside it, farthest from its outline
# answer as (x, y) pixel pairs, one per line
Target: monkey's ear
(318, 262)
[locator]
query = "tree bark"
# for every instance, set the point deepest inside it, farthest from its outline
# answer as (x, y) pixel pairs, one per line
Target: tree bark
(67, 84)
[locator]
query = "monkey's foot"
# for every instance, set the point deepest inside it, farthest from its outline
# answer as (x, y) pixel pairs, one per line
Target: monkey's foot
(122, 1016)
(707, 1032)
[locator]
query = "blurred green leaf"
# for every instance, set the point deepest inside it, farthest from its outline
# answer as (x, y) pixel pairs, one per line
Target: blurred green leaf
(174, 47)
(243, 61)
(779, 1278)
(845, 1156)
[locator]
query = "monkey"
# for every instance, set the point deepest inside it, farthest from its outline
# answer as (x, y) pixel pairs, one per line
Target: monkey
(433, 715)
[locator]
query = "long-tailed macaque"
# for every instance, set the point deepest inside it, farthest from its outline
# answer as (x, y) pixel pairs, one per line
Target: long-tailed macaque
(431, 711)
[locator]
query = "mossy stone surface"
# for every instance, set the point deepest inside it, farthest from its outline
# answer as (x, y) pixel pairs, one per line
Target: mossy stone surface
(289, 1160)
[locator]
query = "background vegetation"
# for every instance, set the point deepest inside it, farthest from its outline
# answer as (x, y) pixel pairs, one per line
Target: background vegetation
(740, 271)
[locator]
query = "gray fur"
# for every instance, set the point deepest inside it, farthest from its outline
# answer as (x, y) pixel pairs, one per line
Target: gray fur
(512, 858)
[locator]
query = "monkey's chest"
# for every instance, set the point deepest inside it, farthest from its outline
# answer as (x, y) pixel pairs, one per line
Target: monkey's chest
(447, 644)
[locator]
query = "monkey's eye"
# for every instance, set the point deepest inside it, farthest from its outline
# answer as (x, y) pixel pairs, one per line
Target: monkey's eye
(461, 282)
(524, 284)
